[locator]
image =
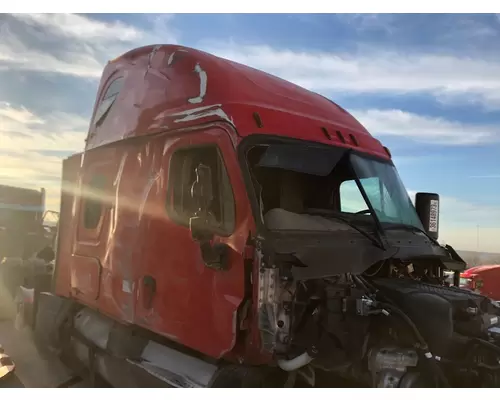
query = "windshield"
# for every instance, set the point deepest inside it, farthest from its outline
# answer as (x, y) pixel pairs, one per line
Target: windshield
(385, 191)
(464, 281)
(314, 188)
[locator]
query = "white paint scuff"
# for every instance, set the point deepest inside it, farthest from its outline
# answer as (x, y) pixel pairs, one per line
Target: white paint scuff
(127, 286)
(218, 112)
(203, 85)
(171, 57)
(201, 112)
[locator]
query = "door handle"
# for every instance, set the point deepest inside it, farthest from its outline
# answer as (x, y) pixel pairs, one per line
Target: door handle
(149, 290)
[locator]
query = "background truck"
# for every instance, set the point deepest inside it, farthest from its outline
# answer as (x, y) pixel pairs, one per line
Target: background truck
(484, 279)
(229, 228)
(21, 215)
(25, 229)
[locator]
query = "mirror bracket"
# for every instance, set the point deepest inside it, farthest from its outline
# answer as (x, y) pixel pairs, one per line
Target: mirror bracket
(214, 256)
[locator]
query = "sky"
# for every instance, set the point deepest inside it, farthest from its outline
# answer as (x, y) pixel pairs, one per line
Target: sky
(426, 85)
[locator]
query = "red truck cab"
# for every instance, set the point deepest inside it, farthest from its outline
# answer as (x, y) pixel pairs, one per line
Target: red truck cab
(484, 279)
(222, 223)
(126, 246)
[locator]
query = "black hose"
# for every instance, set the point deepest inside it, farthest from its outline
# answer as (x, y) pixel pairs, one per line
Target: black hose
(407, 319)
(485, 343)
(423, 344)
(367, 283)
(360, 282)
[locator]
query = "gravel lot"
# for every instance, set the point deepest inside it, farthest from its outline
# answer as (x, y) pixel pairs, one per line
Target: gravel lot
(32, 370)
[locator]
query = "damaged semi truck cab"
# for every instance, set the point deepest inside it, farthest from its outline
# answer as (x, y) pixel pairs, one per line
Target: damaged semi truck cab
(222, 221)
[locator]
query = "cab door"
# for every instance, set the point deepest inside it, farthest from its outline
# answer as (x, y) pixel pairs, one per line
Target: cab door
(179, 295)
(91, 215)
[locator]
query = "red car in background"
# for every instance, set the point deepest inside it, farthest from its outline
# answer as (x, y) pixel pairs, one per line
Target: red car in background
(484, 279)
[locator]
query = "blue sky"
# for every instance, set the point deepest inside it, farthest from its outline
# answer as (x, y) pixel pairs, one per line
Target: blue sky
(428, 86)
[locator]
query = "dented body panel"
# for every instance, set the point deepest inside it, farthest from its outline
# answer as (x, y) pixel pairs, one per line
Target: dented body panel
(152, 101)
(135, 238)
(205, 216)
(169, 87)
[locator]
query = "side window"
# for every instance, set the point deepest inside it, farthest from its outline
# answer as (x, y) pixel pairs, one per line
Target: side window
(182, 175)
(352, 201)
(107, 100)
(93, 201)
(113, 89)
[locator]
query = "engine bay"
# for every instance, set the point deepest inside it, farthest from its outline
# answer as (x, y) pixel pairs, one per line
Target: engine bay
(398, 325)
(352, 280)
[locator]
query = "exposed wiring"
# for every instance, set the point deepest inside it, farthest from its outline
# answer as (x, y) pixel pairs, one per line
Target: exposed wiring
(378, 270)
(368, 287)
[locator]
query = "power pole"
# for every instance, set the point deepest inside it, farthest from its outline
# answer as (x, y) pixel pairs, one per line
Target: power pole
(477, 239)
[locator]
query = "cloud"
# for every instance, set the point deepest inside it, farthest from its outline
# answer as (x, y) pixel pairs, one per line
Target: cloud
(77, 27)
(467, 28)
(28, 42)
(33, 170)
(366, 22)
(470, 214)
(21, 130)
(374, 71)
(32, 147)
(17, 55)
(71, 44)
(425, 129)
(475, 229)
(11, 117)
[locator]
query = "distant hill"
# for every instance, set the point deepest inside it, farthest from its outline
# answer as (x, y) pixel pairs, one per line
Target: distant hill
(474, 258)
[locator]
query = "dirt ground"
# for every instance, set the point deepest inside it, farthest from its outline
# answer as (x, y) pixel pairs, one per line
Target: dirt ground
(32, 370)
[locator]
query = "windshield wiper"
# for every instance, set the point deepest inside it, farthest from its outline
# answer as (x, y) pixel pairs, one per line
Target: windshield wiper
(369, 236)
(412, 228)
